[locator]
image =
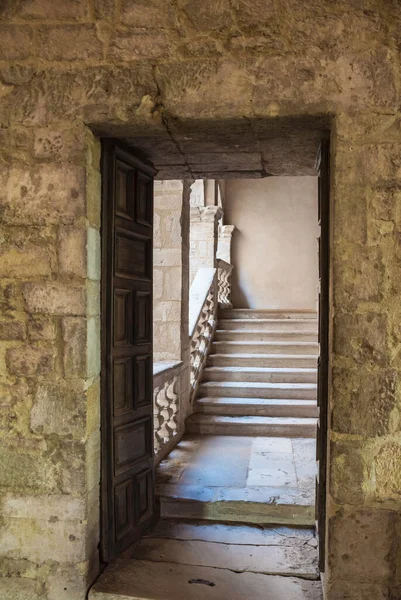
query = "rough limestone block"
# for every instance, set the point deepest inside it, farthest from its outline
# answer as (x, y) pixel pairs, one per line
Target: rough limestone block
(348, 473)
(72, 251)
(69, 42)
(13, 588)
(59, 144)
(24, 466)
(172, 283)
(27, 361)
(361, 538)
(16, 42)
(388, 472)
(12, 330)
(43, 195)
(47, 9)
(74, 348)
(41, 328)
(54, 298)
(58, 408)
(131, 45)
(365, 402)
(28, 262)
(361, 337)
(153, 14)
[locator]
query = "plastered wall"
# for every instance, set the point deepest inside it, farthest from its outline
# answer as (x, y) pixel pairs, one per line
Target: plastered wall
(274, 249)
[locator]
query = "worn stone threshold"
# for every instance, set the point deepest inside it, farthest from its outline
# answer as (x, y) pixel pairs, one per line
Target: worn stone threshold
(126, 579)
(267, 505)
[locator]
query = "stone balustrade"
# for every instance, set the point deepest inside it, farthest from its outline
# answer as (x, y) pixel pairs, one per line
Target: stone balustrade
(202, 322)
(224, 270)
(166, 406)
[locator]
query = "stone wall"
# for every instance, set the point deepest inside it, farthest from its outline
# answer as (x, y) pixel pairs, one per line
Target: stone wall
(50, 363)
(167, 270)
(148, 69)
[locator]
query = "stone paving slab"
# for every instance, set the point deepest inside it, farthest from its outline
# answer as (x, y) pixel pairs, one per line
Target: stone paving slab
(300, 561)
(128, 579)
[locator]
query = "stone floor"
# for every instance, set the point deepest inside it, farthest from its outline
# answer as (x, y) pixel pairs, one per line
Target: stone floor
(210, 477)
(219, 497)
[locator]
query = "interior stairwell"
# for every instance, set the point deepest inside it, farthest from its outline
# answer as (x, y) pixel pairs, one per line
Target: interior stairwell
(236, 495)
(260, 377)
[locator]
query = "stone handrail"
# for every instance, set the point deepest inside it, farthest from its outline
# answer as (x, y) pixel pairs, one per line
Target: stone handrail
(202, 322)
(224, 270)
(166, 398)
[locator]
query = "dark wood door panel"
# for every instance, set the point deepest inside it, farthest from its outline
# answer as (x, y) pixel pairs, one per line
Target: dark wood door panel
(127, 421)
(323, 361)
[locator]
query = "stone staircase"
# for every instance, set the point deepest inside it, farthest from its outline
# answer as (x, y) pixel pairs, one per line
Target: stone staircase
(260, 377)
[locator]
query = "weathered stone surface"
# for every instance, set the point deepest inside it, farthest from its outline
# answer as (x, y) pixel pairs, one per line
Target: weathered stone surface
(366, 533)
(59, 144)
(58, 408)
(74, 350)
(130, 46)
(361, 337)
(69, 42)
(29, 360)
(25, 467)
(46, 9)
(72, 251)
(12, 330)
(387, 471)
(348, 473)
(361, 271)
(151, 14)
(54, 298)
(16, 42)
(22, 587)
(26, 262)
(365, 405)
(43, 195)
(41, 328)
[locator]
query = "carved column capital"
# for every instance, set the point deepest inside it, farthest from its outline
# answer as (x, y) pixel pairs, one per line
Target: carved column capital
(206, 214)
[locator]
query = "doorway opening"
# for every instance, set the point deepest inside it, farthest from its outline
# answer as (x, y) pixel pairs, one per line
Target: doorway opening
(236, 383)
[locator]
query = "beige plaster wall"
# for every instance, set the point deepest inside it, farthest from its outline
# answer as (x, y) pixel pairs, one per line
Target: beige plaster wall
(274, 249)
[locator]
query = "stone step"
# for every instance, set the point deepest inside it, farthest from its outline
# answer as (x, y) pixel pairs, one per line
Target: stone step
(260, 374)
(266, 347)
(199, 423)
(257, 407)
(249, 313)
(235, 533)
(127, 579)
(266, 505)
(243, 359)
(268, 324)
(264, 335)
(298, 561)
(249, 389)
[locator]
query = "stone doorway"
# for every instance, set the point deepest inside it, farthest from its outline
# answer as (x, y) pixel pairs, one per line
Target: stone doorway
(307, 573)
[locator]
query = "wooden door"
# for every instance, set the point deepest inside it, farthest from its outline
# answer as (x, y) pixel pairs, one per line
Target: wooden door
(127, 494)
(323, 163)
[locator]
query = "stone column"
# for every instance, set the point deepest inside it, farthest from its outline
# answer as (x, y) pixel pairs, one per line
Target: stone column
(226, 233)
(364, 481)
(50, 361)
(203, 237)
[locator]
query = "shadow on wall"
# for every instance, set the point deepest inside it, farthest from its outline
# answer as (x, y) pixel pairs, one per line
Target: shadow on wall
(243, 296)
